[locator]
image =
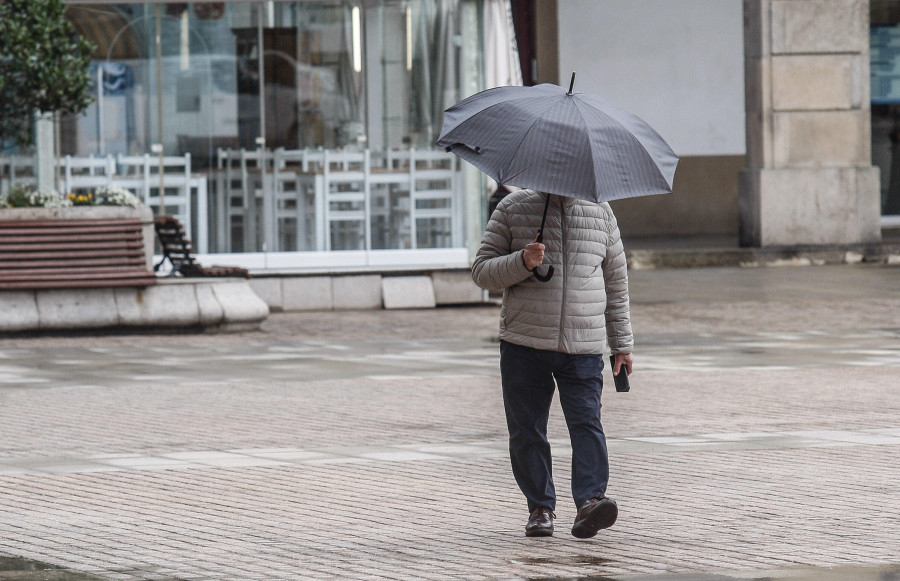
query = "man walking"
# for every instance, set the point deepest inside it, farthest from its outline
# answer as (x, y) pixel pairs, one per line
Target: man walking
(557, 330)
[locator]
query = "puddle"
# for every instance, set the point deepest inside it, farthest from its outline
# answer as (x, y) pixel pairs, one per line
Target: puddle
(562, 560)
(848, 573)
(568, 560)
(21, 569)
(580, 578)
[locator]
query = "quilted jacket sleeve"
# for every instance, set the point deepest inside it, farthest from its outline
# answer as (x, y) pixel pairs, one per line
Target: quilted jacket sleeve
(618, 313)
(496, 266)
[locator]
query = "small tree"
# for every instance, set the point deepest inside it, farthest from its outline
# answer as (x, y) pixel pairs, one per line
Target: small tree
(43, 66)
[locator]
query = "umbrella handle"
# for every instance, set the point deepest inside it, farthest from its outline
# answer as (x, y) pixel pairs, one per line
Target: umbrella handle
(540, 238)
(543, 277)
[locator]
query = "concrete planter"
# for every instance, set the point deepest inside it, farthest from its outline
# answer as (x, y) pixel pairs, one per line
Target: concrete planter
(143, 213)
(216, 304)
(208, 304)
(77, 213)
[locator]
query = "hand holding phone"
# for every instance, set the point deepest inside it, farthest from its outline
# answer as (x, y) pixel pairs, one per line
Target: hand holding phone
(621, 379)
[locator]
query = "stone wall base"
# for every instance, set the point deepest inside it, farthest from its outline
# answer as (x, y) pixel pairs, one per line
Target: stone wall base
(810, 206)
(206, 304)
(295, 292)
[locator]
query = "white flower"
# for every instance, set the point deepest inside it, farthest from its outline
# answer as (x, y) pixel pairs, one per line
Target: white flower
(47, 199)
(116, 196)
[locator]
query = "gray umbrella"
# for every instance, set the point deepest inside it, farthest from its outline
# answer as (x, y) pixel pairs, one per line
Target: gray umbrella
(570, 144)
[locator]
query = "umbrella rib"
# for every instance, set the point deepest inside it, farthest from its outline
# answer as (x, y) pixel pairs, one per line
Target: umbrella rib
(474, 116)
(473, 119)
(631, 136)
(522, 142)
(590, 142)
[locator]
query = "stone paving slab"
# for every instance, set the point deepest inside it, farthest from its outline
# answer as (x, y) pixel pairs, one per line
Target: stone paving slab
(416, 452)
(762, 511)
(760, 440)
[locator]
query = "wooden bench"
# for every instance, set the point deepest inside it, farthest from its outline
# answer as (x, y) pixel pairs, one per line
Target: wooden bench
(177, 250)
(60, 254)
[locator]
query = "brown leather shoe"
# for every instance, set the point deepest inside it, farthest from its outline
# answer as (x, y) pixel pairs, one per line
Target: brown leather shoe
(593, 515)
(540, 523)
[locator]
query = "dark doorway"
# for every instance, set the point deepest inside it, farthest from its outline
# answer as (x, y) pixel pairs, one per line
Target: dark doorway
(523, 21)
(885, 73)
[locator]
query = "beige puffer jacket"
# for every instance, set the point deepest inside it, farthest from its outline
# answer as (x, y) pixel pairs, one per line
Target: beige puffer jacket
(585, 302)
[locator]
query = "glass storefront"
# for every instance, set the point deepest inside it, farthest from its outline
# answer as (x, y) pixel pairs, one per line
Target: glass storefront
(885, 72)
(329, 74)
(236, 84)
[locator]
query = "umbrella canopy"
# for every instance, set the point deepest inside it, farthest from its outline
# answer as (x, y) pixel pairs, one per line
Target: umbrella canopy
(575, 145)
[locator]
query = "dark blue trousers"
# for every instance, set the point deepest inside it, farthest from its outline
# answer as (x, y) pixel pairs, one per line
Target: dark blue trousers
(528, 384)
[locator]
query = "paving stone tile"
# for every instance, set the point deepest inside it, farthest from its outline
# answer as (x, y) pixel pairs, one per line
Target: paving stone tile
(366, 445)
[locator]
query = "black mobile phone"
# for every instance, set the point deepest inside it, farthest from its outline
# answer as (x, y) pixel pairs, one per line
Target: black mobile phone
(622, 378)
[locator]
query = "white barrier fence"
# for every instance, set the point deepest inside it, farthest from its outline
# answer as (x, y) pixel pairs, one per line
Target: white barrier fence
(284, 200)
(140, 175)
(323, 200)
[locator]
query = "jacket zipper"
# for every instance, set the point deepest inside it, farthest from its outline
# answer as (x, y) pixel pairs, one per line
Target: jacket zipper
(562, 307)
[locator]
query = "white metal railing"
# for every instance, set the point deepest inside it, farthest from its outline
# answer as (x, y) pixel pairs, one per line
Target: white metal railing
(322, 200)
(15, 170)
(141, 175)
(288, 200)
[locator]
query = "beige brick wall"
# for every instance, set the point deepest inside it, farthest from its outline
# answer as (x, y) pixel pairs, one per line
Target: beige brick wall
(809, 176)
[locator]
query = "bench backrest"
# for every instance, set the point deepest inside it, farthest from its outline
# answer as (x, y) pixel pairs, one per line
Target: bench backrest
(175, 246)
(177, 249)
(45, 254)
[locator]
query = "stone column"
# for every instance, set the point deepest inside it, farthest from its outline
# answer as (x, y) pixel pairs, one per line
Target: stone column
(45, 151)
(809, 177)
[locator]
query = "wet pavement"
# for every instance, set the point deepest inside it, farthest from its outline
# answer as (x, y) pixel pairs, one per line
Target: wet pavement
(761, 440)
(28, 570)
(17, 568)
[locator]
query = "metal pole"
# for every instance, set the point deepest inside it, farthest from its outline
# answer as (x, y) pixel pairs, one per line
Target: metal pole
(100, 128)
(261, 138)
(159, 110)
(261, 63)
(58, 149)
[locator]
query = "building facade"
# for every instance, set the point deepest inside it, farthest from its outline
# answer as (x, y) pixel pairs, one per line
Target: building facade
(295, 75)
(261, 95)
(782, 112)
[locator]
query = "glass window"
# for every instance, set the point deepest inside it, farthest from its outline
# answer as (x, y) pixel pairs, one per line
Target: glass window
(885, 72)
(188, 99)
(248, 88)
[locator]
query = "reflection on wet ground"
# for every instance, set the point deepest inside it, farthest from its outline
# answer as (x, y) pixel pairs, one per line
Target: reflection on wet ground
(20, 569)
(879, 573)
(170, 458)
(562, 560)
(415, 452)
(46, 367)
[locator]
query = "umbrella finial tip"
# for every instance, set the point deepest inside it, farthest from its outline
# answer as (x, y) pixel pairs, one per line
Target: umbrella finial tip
(571, 83)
